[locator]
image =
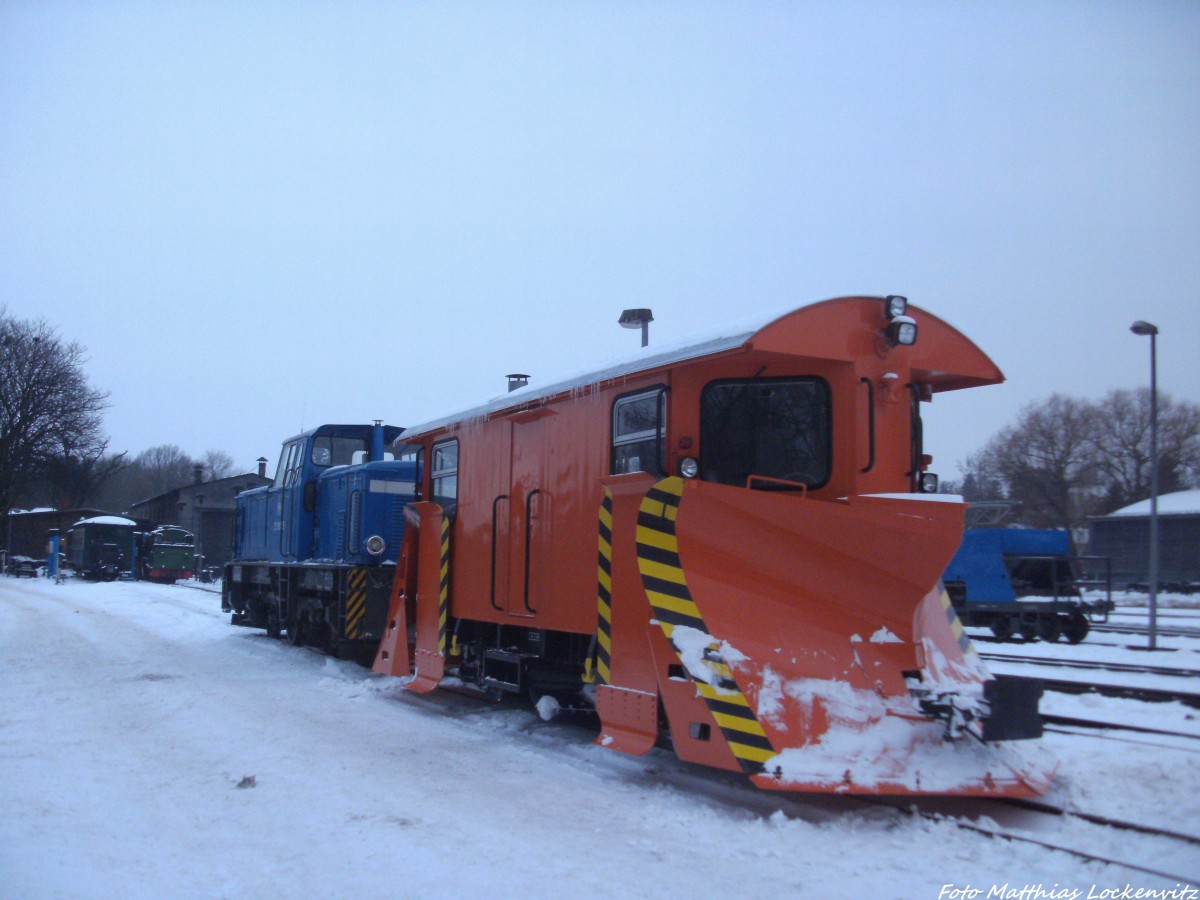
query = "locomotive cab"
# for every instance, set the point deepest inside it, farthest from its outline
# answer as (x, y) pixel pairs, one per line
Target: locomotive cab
(315, 550)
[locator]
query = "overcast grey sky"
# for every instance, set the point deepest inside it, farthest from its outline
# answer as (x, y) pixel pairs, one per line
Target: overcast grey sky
(262, 216)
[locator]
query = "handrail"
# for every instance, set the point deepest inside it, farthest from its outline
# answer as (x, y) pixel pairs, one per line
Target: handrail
(495, 519)
(870, 422)
(528, 535)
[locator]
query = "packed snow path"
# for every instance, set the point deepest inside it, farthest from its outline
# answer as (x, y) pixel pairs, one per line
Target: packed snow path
(150, 749)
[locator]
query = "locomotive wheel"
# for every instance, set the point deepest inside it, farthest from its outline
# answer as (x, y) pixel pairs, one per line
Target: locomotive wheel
(1076, 627)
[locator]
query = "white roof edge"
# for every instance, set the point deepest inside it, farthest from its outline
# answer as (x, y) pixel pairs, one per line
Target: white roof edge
(106, 520)
(1178, 503)
(531, 393)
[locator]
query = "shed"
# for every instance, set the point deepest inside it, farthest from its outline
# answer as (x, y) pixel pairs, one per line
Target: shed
(1124, 537)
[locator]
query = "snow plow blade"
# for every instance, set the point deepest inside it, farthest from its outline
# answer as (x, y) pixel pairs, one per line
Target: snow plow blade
(863, 683)
(419, 593)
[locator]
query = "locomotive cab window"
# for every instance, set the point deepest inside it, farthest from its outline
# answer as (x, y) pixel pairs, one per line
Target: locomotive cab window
(639, 429)
(289, 465)
(444, 475)
(416, 456)
(773, 427)
(329, 450)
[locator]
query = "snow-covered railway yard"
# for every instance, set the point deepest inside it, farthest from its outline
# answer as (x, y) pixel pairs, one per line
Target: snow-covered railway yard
(149, 749)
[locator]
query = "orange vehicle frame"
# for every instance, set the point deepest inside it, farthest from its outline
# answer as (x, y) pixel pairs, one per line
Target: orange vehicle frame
(775, 633)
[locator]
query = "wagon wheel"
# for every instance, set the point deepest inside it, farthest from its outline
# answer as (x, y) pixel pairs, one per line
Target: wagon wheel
(1049, 628)
(1075, 629)
(1002, 629)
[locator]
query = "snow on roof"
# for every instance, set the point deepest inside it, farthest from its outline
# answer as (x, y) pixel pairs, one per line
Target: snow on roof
(106, 520)
(726, 337)
(1180, 503)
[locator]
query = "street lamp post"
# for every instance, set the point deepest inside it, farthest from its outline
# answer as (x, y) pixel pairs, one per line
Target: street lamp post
(1146, 329)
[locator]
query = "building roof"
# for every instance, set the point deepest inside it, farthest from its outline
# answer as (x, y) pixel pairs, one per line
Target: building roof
(1180, 503)
(191, 485)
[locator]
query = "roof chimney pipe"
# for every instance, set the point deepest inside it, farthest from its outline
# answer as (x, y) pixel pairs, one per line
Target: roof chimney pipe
(198, 473)
(637, 318)
(516, 380)
(262, 467)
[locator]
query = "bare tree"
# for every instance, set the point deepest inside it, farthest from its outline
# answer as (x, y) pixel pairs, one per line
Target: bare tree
(1121, 445)
(1045, 463)
(75, 478)
(48, 411)
(161, 469)
(1065, 459)
(217, 464)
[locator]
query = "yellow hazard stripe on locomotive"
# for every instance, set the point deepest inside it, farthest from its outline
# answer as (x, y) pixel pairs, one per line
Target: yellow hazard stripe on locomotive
(666, 588)
(356, 602)
(444, 588)
(956, 625)
(603, 671)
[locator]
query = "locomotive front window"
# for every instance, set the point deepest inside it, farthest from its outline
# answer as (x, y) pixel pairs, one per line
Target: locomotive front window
(639, 432)
(328, 450)
(777, 428)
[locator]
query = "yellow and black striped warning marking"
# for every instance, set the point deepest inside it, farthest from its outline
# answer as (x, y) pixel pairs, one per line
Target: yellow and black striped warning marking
(956, 625)
(603, 656)
(356, 602)
(666, 588)
(444, 587)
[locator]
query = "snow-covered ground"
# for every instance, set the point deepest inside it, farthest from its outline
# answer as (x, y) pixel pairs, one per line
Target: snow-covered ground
(150, 749)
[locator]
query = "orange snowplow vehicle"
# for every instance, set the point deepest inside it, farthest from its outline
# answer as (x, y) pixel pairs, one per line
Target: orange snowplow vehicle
(732, 548)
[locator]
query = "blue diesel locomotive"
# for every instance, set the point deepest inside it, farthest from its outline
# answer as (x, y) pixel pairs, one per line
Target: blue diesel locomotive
(315, 551)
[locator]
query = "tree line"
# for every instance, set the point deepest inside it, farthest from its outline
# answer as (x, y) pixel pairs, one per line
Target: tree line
(53, 449)
(1066, 459)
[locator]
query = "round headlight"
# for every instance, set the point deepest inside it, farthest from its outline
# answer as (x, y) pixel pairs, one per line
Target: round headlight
(895, 305)
(929, 483)
(688, 467)
(375, 545)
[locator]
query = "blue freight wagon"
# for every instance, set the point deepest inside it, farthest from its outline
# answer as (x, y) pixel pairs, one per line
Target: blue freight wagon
(1022, 583)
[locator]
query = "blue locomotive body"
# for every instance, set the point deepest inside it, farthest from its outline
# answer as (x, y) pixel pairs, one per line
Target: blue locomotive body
(314, 552)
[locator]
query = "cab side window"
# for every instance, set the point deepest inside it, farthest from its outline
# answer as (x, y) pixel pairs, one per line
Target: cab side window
(289, 465)
(444, 475)
(639, 431)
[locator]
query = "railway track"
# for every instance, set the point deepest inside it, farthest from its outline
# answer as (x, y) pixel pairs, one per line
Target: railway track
(1092, 665)
(1129, 692)
(985, 825)
(1160, 630)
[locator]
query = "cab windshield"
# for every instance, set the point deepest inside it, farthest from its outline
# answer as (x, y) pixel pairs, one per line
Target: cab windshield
(329, 450)
(767, 427)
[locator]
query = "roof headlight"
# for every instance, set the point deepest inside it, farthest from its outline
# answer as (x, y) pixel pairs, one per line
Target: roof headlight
(901, 331)
(895, 305)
